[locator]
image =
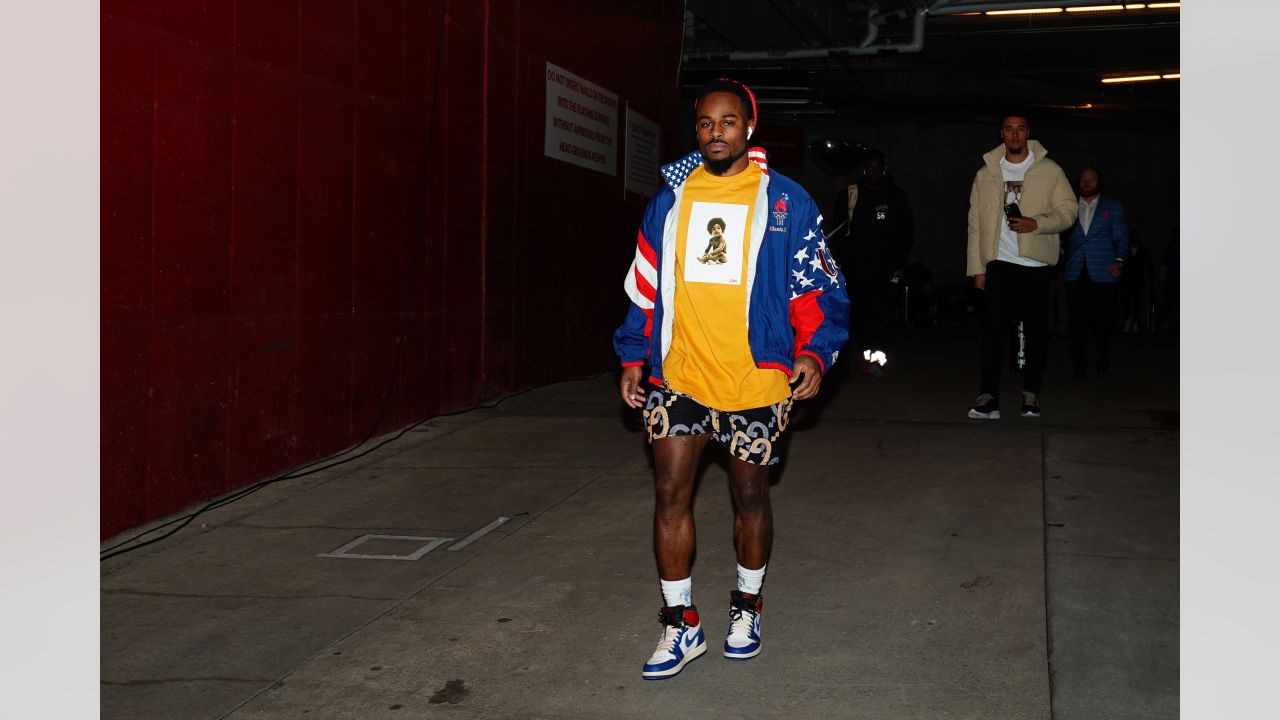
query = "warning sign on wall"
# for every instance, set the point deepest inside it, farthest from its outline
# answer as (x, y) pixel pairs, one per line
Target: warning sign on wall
(582, 122)
(640, 171)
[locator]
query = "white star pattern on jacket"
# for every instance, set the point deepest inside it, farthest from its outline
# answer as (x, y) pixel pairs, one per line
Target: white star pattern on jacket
(813, 269)
(822, 245)
(677, 172)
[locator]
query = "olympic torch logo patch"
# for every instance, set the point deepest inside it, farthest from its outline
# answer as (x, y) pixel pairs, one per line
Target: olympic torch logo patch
(780, 210)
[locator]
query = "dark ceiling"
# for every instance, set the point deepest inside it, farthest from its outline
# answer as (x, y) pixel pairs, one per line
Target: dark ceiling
(811, 59)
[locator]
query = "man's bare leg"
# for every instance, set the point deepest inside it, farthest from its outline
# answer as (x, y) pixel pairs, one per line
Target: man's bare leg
(753, 539)
(752, 513)
(676, 460)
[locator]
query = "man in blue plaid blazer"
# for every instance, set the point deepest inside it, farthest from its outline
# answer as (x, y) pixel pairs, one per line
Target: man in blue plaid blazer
(1096, 248)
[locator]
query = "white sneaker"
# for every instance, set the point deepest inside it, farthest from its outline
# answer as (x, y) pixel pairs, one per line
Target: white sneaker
(682, 642)
(743, 640)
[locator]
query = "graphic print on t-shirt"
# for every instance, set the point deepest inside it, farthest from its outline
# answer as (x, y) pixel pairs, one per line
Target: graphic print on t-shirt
(1012, 191)
(715, 238)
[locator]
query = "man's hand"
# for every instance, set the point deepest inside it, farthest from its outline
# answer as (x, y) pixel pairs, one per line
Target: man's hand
(1023, 224)
(1116, 268)
(980, 282)
(806, 376)
(630, 386)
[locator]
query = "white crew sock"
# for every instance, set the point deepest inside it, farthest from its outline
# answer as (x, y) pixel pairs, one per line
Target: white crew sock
(749, 581)
(677, 592)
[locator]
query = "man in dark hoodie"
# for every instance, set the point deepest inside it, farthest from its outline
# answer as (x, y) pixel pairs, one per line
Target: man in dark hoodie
(873, 249)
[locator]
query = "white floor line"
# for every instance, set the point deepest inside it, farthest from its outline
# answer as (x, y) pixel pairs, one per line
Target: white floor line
(477, 534)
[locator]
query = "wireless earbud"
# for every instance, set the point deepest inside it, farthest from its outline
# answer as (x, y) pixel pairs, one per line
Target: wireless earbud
(748, 133)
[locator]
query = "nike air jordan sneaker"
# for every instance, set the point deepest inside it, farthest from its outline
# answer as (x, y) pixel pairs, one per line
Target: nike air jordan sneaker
(682, 642)
(743, 640)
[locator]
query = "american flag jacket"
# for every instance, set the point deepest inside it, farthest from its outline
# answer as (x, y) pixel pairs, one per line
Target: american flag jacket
(796, 299)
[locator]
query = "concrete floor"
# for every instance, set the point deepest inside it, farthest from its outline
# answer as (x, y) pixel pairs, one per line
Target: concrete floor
(925, 565)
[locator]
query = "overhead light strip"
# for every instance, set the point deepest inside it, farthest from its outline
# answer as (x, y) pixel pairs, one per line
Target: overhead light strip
(1142, 78)
(1131, 79)
(1083, 8)
(1028, 11)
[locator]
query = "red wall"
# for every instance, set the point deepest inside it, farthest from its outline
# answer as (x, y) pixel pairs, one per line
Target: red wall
(277, 226)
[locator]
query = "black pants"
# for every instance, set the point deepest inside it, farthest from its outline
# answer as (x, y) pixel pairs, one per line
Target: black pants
(872, 299)
(1092, 306)
(1015, 293)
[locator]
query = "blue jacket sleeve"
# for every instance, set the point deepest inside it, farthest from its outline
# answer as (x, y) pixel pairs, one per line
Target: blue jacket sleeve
(632, 339)
(819, 307)
(1120, 234)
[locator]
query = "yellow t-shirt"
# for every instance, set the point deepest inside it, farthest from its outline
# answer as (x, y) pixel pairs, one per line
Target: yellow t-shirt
(710, 358)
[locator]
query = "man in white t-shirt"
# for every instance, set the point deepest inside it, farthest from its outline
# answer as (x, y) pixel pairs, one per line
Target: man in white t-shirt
(1019, 202)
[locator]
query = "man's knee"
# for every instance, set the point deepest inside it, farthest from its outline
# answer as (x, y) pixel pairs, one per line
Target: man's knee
(751, 487)
(672, 491)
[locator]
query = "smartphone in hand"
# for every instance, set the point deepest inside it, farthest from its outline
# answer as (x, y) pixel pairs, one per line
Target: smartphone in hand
(1011, 211)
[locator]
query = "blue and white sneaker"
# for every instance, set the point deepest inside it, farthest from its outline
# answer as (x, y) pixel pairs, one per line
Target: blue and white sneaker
(743, 640)
(682, 642)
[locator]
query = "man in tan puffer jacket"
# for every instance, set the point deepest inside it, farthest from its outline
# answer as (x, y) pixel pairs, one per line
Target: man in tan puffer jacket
(1019, 202)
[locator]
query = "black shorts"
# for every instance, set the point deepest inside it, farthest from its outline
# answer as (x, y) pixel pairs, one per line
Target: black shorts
(755, 436)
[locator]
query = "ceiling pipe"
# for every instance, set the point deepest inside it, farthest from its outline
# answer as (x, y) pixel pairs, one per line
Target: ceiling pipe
(874, 22)
(873, 30)
(867, 47)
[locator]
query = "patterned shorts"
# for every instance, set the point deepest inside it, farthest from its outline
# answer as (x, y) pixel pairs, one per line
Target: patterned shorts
(754, 436)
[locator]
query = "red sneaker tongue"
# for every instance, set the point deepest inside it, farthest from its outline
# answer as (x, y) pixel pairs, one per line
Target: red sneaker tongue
(691, 617)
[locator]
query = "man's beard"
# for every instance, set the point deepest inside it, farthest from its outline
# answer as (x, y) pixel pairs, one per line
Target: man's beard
(720, 167)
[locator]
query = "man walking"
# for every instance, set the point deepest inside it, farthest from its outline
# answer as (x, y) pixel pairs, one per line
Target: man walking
(730, 345)
(1019, 202)
(1096, 250)
(874, 247)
